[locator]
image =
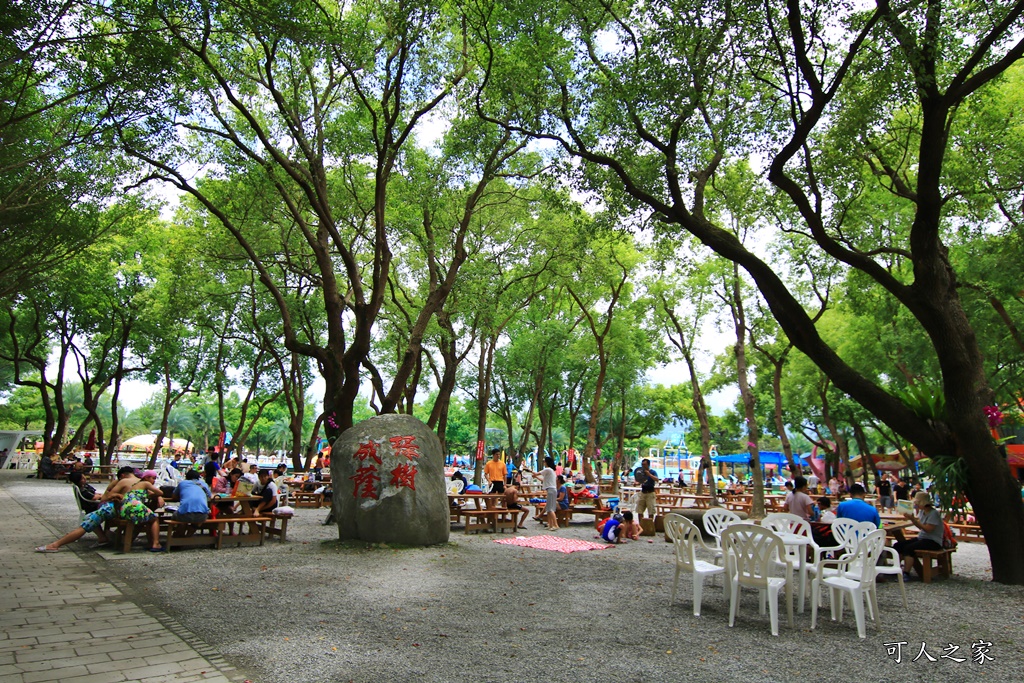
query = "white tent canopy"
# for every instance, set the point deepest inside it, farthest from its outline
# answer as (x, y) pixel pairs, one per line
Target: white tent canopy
(145, 443)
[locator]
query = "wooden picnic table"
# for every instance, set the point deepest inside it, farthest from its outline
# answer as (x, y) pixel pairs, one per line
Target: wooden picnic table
(492, 515)
(894, 528)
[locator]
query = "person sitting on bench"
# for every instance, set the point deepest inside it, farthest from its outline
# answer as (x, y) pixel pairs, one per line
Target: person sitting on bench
(929, 537)
(267, 493)
(193, 496)
(512, 503)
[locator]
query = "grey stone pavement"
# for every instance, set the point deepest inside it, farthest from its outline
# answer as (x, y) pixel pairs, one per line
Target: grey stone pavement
(64, 618)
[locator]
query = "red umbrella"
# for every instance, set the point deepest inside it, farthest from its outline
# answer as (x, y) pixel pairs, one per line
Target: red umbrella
(90, 445)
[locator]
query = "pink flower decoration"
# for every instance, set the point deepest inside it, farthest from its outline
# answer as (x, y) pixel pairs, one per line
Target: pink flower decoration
(994, 415)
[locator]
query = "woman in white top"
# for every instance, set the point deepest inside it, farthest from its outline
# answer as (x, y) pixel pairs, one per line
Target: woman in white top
(550, 484)
(800, 504)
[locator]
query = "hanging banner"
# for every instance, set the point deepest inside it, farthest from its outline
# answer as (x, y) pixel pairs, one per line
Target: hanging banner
(479, 450)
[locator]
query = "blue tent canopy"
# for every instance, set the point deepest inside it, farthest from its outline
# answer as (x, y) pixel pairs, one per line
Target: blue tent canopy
(767, 458)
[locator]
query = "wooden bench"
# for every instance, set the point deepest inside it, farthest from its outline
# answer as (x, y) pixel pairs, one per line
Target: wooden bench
(943, 562)
(272, 530)
(217, 536)
(306, 499)
(599, 513)
(493, 519)
(123, 533)
(967, 532)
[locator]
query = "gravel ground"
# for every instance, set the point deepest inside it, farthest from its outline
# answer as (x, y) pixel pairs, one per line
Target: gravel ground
(313, 610)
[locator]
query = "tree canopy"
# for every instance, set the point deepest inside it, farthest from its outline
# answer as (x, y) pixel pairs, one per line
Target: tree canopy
(506, 215)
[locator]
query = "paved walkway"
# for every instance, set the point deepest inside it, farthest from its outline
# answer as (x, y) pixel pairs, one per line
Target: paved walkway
(62, 620)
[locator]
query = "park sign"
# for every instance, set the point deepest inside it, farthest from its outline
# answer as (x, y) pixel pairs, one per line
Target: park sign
(388, 479)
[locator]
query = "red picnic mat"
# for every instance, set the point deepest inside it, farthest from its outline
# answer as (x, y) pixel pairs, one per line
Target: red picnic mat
(556, 543)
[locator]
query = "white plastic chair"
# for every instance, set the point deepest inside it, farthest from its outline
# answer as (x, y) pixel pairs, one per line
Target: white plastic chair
(858, 531)
(796, 555)
(752, 556)
(786, 523)
(686, 539)
(78, 500)
(841, 528)
(716, 520)
(854, 573)
(282, 491)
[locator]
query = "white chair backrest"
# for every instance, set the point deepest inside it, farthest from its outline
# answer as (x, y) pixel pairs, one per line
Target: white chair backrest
(786, 523)
(78, 501)
(865, 557)
(844, 531)
(685, 535)
(717, 519)
(752, 554)
(848, 532)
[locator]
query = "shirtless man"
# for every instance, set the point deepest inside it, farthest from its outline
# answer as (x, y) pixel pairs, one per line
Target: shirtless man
(512, 503)
(133, 509)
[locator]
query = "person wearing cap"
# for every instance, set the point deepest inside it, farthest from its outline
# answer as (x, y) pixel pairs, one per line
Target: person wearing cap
(929, 536)
(136, 495)
(857, 509)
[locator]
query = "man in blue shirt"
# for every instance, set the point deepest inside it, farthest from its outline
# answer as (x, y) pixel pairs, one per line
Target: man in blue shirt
(193, 496)
(857, 509)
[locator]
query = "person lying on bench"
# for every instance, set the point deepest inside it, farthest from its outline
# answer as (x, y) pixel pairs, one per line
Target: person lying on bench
(929, 521)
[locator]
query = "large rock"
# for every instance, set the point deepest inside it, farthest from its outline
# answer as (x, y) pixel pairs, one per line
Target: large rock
(388, 481)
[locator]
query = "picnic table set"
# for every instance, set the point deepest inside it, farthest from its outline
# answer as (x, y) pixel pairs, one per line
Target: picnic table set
(779, 554)
(216, 532)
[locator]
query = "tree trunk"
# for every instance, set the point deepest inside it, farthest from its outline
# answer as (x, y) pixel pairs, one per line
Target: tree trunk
(484, 371)
(746, 395)
(314, 439)
(780, 424)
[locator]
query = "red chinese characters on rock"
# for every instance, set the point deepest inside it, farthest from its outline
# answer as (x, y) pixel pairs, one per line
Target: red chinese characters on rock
(365, 482)
(366, 479)
(405, 446)
(404, 476)
(367, 451)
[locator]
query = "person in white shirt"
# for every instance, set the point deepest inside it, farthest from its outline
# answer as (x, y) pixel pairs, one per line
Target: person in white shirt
(168, 478)
(549, 481)
(812, 483)
(826, 516)
(252, 476)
